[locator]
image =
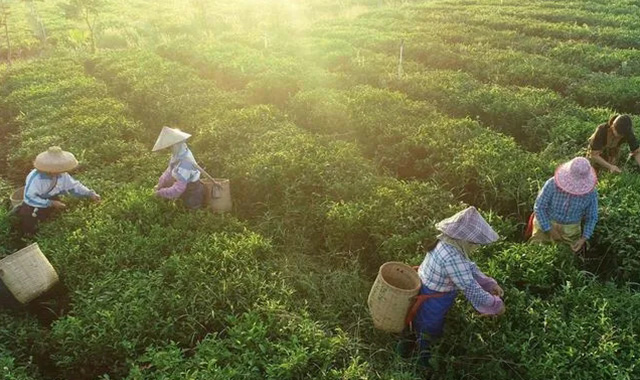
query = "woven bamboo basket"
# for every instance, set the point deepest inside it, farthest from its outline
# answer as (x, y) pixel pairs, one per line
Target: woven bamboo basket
(17, 196)
(219, 200)
(391, 296)
(27, 273)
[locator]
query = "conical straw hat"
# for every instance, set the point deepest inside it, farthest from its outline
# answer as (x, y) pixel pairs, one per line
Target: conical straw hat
(55, 160)
(169, 136)
(468, 225)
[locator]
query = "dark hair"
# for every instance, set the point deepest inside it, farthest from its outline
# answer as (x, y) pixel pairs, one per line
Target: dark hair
(622, 124)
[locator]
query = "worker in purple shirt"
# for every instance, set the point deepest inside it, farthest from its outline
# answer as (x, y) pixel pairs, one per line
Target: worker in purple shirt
(565, 201)
(447, 269)
(181, 179)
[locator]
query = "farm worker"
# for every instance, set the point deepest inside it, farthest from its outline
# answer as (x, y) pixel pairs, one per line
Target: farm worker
(181, 179)
(566, 199)
(45, 183)
(604, 144)
(447, 267)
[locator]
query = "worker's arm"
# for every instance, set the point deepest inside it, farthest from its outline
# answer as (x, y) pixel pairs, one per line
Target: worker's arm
(460, 272)
(596, 157)
(165, 179)
(487, 283)
(173, 192)
(543, 204)
(636, 156)
(69, 185)
(74, 187)
(591, 216)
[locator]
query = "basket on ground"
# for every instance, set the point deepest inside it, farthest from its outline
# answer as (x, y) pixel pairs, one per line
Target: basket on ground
(391, 296)
(17, 196)
(218, 197)
(27, 273)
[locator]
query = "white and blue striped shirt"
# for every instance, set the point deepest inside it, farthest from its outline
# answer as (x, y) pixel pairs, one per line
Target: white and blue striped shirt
(37, 185)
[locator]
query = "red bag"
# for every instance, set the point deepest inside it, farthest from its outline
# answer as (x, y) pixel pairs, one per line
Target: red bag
(529, 230)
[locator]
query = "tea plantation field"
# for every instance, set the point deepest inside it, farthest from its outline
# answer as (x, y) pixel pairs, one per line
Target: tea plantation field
(347, 129)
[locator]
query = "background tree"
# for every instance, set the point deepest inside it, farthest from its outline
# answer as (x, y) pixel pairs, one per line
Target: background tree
(87, 11)
(36, 20)
(4, 22)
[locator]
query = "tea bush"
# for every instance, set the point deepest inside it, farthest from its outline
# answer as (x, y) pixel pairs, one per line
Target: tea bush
(267, 343)
(392, 222)
(538, 269)
(615, 236)
(589, 325)
(339, 161)
(10, 371)
(123, 71)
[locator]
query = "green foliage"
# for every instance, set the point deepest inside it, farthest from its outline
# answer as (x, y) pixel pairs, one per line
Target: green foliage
(339, 160)
(539, 269)
(540, 339)
(393, 222)
(618, 226)
(9, 370)
(267, 343)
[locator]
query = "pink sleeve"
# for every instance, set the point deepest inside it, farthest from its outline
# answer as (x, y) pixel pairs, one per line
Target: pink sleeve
(165, 179)
(494, 308)
(487, 283)
(174, 191)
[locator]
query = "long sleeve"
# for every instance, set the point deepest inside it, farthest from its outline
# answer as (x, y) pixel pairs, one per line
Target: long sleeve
(487, 283)
(591, 216)
(460, 271)
(165, 179)
(32, 196)
(543, 202)
(74, 187)
(173, 192)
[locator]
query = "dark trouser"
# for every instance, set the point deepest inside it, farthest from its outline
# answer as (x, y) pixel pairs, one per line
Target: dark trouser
(193, 196)
(429, 321)
(29, 222)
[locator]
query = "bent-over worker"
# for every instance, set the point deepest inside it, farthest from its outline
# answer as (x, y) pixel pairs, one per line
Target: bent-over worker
(605, 143)
(45, 183)
(181, 179)
(566, 199)
(447, 268)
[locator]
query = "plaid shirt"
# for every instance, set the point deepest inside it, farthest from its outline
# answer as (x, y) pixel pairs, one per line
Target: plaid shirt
(561, 207)
(445, 268)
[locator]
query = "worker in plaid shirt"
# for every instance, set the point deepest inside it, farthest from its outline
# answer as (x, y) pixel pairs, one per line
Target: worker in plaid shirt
(564, 202)
(447, 269)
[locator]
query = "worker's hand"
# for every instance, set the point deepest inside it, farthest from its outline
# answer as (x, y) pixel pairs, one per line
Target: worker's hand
(556, 232)
(58, 204)
(96, 198)
(577, 246)
(614, 169)
(502, 310)
(497, 291)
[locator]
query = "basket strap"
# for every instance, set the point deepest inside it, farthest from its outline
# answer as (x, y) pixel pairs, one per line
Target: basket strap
(54, 182)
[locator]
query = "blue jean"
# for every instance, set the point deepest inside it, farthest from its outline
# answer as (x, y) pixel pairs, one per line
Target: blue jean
(429, 321)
